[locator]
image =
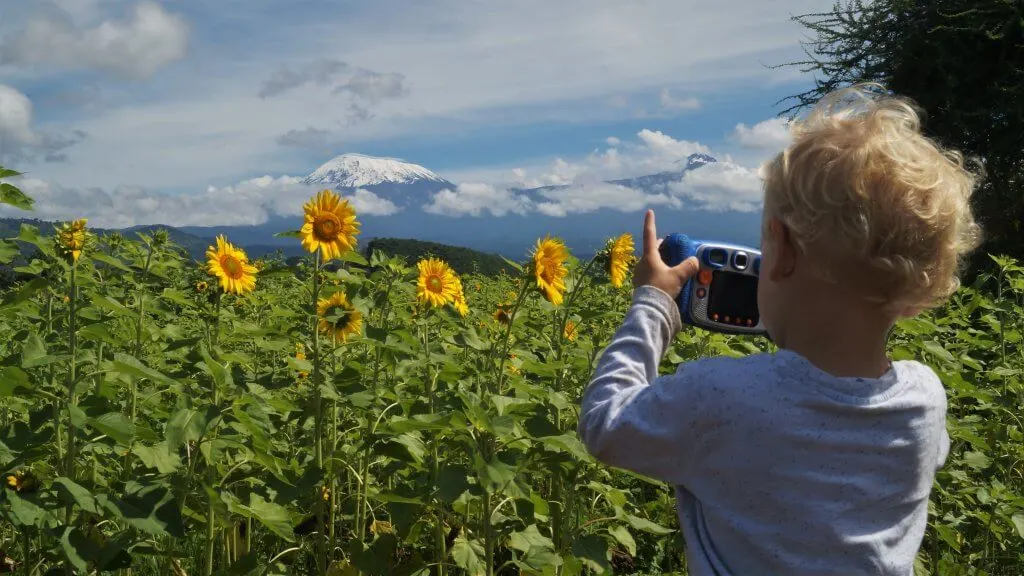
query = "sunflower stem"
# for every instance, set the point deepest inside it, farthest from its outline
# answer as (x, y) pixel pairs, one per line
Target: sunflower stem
(318, 410)
(69, 467)
(439, 535)
(508, 334)
(211, 473)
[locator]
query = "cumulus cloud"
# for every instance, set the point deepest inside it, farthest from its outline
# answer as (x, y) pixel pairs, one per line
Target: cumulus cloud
(671, 104)
(721, 186)
(772, 134)
(581, 198)
(134, 47)
(602, 180)
(249, 202)
(321, 72)
(476, 199)
(20, 141)
(612, 141)
(368, 203)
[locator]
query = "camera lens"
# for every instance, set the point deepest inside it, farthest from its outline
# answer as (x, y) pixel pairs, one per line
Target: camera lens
(740, 261)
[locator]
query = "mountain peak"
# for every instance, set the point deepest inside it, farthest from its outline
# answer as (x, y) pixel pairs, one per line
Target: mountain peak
(358, 170)
(697, 160)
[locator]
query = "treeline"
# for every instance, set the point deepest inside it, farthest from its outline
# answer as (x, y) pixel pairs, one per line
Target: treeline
(462, 260)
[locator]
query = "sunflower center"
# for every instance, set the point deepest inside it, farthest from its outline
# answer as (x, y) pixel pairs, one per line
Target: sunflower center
(232, 266)
(326, 227)
(337, 315)
(434, 284)
(547, 271)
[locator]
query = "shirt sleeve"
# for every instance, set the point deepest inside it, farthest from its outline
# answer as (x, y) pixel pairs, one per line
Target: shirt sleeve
(632, 418)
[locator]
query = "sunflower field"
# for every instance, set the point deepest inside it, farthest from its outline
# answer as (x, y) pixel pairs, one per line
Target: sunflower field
(375, 416)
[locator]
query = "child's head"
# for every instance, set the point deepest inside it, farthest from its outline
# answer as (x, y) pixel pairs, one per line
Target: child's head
(864, 204)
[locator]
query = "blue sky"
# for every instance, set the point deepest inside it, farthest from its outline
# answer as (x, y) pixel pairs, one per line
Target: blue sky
(126, 103)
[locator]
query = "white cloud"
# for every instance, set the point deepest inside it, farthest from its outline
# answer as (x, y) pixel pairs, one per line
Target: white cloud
(721, 186)
(249, 202)
(476, 199)
(134, 47)
(581, 185)
(368, 203)
(612, 141)
(665, 149)
(16, 117)
(205, 123)
(588, 197)
(673, 104)
(20, 141)
(772, 134)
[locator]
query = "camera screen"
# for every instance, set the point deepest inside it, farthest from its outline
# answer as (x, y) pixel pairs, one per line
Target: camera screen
(733, 296)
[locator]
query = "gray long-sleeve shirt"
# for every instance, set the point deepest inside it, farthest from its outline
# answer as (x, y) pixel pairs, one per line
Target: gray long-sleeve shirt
(779, 467)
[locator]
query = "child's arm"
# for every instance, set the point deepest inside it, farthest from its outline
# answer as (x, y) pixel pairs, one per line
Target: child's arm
(631, 417)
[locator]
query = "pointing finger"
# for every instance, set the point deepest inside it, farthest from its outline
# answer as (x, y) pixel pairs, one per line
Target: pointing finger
(650, 235)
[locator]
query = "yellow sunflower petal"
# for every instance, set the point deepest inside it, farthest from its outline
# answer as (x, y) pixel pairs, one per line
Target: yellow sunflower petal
(329, 225)
(436, 284)
(620, 258)
(348, 324)
(549, 268)
(230, 266)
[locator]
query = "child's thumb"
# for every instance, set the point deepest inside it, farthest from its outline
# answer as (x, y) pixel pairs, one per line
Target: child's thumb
(687, 269)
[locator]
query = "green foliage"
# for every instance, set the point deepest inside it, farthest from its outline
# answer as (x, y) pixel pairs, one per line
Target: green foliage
(9, 194)
(462, 260)
(178, 426)
(962, 61)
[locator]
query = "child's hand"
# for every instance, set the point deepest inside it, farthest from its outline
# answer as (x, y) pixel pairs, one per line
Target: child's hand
(651, 270)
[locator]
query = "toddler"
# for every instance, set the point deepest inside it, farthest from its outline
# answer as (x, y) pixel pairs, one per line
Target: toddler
(818, 459)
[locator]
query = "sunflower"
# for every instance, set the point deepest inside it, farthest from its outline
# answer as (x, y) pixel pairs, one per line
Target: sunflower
(201, 286)
(300, 354)
(330, 225)
(231, 267)
(460, 299)
(503, 315)
(512, 368)
(339, 317)
(379, 527)
(620, 257)
(436, 285)
(570, 331)
(22, 482)
(549, 268)
(71, 239)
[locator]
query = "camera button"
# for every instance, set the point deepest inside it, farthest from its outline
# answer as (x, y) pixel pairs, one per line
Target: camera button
(701, 293)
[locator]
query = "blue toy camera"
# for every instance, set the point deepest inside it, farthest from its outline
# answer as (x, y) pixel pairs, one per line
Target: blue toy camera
(722, 297)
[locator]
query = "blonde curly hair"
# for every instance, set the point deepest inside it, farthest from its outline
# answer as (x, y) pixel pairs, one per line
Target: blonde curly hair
(876, 204)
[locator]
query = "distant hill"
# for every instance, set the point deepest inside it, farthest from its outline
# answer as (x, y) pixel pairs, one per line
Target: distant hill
(462, 260)
(195, 245)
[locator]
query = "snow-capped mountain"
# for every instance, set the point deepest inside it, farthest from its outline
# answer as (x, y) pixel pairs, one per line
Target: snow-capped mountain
(405, 184)
(410, 187)
(360, 171)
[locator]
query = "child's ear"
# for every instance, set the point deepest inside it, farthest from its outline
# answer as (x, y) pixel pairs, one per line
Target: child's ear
(783, 249)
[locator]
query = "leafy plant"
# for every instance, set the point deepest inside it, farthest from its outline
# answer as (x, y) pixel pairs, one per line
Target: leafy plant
(149, 421)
